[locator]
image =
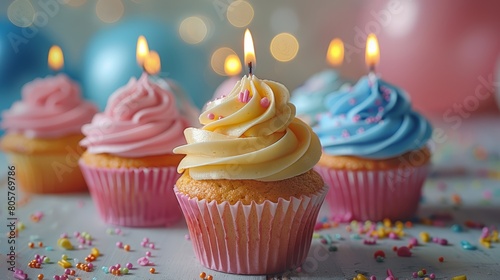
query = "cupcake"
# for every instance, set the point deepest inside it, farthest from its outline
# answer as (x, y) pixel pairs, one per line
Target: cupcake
(309, 98)
(248, 192)
(129, 165)
(42, 135)
(375, 156)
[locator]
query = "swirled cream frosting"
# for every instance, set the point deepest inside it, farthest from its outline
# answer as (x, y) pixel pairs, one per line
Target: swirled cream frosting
(252, 133)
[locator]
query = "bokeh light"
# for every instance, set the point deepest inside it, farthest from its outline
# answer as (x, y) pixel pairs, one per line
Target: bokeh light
(109, 11)
(232, 65)
(21, 13)
(74, 3)
(284, 47)
(240, 13)
(193, 30)
(219, 58)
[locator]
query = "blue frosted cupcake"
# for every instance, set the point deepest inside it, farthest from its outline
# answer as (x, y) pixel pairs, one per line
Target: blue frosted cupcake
(375, 156)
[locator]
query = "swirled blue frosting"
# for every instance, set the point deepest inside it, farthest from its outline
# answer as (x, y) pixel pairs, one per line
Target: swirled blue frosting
(374, 119)
(309, 99)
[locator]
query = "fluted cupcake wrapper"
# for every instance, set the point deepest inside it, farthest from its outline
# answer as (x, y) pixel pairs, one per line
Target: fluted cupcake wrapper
(264, 238)
(48, 173)
(374, 195)
(134, 197)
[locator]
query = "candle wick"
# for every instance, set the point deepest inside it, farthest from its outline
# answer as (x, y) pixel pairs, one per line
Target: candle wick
(371, 68)
(250, 68)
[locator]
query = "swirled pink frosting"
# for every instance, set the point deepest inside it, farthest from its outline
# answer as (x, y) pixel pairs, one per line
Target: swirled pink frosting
(140, 119)
(49, 108)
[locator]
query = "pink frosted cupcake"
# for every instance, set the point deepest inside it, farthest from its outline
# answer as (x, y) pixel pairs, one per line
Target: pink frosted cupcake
(248, 192)
(42, 135)
(375, 156)
(129, 165)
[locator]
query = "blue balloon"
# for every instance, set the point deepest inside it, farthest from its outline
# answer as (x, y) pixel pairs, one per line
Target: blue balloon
(110, 60)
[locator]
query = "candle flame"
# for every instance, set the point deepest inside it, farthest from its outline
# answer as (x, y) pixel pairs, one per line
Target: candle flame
(152, 63)
(372, 55)
(249, 50)
(56, 58)
(232, 65)
(335, 53)
(142, 50)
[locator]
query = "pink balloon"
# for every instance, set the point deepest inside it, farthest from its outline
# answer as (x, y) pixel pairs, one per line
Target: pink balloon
(443, 53)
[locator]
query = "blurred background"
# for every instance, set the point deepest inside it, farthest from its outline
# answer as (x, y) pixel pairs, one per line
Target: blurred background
(445, 54)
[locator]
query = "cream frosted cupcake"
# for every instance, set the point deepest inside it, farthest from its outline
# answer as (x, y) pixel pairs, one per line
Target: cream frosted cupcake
(248, 191)
(42, 135)
(129, 165)
(375, 157)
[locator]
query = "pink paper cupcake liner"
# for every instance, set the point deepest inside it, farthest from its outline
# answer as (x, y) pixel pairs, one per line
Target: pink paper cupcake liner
(135, 197)
(264, 238)
(373, 195)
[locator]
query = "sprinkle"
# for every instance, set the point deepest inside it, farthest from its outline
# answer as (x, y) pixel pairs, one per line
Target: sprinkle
(441, 259)
(129, 265)
(126, 247)
(64, 263)
(352, 101)
(203, 275)
(432, 276)
(264, 102)
(187, 237)
(457, 228)
(152, 270)
(443, 242)
(119, 244)
(65, 243)
(109, 231)
(124, 270)
(404, 251)
(76, 234)
(210, 277)
(151, 245)
(143, 261)
(425, 237)
(345, 134)
(118, 231)
(95, 252)
(148, 254)
(459, 277)
(31, 245)
(244, 96)
(40, 276)
(221, 117)
(145, 239)
(379, 253)
(356, 118)
(210, 116)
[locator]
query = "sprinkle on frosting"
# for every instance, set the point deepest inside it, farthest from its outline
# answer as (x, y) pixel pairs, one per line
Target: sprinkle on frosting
(252, 141)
